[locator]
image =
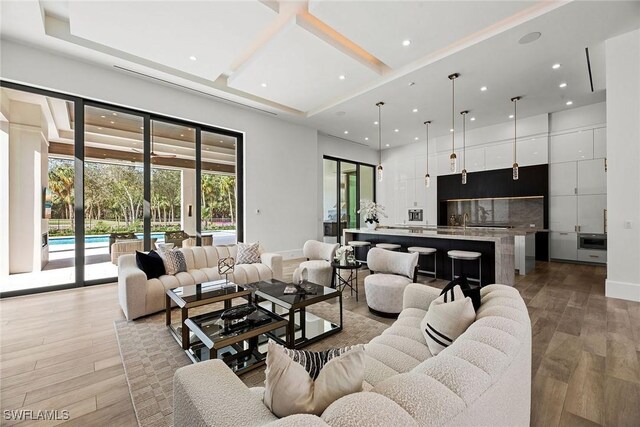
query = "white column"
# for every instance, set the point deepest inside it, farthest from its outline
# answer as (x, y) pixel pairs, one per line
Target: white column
(188, 197)
(25, 187)
(4, 197)
(623, 157)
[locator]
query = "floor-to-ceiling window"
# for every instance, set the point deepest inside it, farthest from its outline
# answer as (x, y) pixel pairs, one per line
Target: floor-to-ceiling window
(100, 181)
(345, 185)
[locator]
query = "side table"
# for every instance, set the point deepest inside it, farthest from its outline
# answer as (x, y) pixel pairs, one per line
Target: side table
(351, 281)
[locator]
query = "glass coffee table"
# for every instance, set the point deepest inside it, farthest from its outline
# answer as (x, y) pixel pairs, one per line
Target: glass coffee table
(302, 328)
(240, 344)
(187, 297)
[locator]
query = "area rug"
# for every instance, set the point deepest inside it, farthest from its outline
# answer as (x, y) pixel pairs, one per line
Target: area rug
(151, 356)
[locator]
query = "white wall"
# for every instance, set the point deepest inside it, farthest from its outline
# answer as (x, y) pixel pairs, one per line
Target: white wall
(4, 200)
(281, 167)
(623, 154)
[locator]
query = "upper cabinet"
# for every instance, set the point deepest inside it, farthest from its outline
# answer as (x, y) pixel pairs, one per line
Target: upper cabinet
(600, 143)
(563, 179)
(572, 146)
(499, 156)
(592, 177)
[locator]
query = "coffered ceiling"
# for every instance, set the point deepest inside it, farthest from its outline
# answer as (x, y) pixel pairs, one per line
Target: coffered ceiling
(325, 63)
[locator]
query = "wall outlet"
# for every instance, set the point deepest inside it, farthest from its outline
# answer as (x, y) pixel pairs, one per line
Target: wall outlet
(628, 225)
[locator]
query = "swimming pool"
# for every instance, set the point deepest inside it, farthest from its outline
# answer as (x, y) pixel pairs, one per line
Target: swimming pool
(98, 238)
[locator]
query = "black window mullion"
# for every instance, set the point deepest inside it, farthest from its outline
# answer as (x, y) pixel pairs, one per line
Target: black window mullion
(357, 195)
(198, 185)
(147, 182)
(78, 190)
(240, 187)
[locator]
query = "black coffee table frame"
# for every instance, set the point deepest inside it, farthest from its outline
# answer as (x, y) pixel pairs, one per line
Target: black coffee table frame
(271, 291)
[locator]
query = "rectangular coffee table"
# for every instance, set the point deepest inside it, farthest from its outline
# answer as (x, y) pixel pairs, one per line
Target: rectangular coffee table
(303, 328)
(238, 345)
(187, 297)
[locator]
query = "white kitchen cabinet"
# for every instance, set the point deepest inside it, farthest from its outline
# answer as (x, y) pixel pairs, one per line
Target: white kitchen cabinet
(475, 160)
(571, 146)
(592, 178)
(591, 213)
(587, 255)
(562, 213)
(420, 193)
(443, 164)
(600, 143)
(403, 200)
(533, 151)
(563, 245)
(498, 156)
(562, 179)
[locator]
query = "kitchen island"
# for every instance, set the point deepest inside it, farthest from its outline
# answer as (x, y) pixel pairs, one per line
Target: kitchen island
(497, 247)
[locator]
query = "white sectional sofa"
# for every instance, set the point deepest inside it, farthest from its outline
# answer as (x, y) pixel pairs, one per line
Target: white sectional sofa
(140, 297)
(482, 379)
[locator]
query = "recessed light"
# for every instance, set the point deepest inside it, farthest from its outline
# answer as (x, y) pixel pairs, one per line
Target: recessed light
(473, 119)
(263, 84)
(450, 130)
(386, 145)
(528, 38)
(366, 139)
(375, 123)
(396, 130)
(342, 77)
(193, 58)
(511, 116)
(569, 102)
(483, 88)
(415, 110)
(406, 42)
(415, 139)
(112, 122)
(115, 114)
(346, 132)
(562, 85)
(555, 66)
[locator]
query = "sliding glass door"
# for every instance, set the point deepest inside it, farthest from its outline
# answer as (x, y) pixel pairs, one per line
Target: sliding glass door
(345, 185)
(96, 181)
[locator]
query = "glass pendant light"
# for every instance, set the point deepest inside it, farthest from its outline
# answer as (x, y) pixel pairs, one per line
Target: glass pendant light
(453, 159)
(464, 145)
(427, 178)
(380, 170)
(516, 172)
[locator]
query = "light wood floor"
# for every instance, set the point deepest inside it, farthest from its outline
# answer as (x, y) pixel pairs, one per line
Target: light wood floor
(59, 351)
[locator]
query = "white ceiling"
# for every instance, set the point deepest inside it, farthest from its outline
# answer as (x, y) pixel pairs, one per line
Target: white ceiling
(300, 49)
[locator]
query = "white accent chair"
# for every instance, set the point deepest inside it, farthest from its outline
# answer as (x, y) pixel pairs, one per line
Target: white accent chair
(319, 256)
(482, 379)
(140, 296)
(391, 273)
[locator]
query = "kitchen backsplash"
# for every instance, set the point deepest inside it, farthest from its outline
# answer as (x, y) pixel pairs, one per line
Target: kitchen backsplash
(520, 212)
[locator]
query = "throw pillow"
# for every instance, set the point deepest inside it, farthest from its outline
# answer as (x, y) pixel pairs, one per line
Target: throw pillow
(248, 253)
(304, 382)
(174, 261)
(468, 290)
(448, 317)
(151, 264)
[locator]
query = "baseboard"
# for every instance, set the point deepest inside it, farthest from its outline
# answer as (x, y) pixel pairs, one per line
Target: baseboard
(622, 290)
(291, 254)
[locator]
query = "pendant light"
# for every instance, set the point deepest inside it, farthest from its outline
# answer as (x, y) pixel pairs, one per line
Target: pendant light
(516, 172)
(453, 159)
(427, 178)
(380, 170)
(464, 145)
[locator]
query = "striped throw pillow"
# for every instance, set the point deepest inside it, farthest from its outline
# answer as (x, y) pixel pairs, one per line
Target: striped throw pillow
(447, 318)
(248, 253)
(304, 382)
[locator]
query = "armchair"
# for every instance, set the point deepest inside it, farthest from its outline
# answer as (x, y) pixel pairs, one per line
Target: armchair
(318, 264)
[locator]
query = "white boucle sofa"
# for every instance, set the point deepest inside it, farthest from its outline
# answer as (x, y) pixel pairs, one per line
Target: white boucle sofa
(140, 297)
(482, 379)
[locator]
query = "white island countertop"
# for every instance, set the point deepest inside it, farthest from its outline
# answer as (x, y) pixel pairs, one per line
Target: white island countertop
(469, 233)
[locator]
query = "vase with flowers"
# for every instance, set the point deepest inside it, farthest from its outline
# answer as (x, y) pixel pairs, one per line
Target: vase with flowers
(372, 212)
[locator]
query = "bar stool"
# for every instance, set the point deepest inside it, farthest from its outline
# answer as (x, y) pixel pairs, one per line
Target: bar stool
(426, 251)
(360, 244)
(466, 256)
(388, 246)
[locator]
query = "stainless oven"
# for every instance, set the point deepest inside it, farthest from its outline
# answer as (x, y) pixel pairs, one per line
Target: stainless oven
(592, 241)
(415, 215)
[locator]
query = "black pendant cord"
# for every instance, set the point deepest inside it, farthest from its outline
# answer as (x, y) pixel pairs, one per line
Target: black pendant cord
(427, 127)
(380, 133)
(464, 140)
(453, 115)
(515, 128)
